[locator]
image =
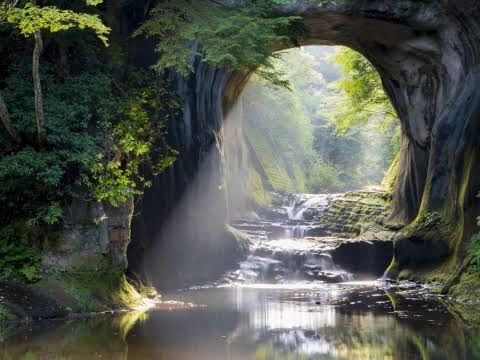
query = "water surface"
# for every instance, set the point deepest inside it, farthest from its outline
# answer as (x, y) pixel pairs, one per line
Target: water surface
(288, 321)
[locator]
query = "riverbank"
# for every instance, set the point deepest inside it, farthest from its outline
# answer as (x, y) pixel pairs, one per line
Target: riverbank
(61, 296)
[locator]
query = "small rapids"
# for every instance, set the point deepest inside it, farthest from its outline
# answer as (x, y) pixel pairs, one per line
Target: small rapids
(280, 250)
(300, 203)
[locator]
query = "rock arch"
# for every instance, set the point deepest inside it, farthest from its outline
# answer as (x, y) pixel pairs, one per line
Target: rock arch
(427, 53)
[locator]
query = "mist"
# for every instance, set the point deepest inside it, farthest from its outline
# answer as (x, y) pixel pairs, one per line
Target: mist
(279, 140)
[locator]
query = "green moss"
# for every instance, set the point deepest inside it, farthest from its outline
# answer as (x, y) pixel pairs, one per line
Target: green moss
(406, 274)
(388, 182)
(255, 188)
(101, 291)
(392, 269)
(467, 292)
(428, 219)
(273, 165)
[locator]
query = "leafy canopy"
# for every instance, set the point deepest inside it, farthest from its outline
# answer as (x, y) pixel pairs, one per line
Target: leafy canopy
(364, 92)
(32, 18)
(134, 140)
(237, 37)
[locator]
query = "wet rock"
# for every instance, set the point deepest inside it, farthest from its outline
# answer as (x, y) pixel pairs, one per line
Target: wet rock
(273, 213)
(312, 214)
(318, 230)
(315, 272)
(363, 256)
(420, 248)
(25, 302)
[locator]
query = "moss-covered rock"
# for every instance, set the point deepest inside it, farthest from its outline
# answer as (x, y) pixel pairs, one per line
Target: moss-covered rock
(357, 212)
(63, 295)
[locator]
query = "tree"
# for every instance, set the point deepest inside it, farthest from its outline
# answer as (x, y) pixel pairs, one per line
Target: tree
(237, 37)
(5, 7)
(364, 92)
(31, 20)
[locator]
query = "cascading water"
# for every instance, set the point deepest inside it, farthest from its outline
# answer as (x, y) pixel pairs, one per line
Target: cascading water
(280, 249)
(299, 203)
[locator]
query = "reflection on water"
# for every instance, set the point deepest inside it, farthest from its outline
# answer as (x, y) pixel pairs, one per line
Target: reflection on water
(343, 321)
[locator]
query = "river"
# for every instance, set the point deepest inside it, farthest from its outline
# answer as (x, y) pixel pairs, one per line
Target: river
(333, 321)
(287, 300)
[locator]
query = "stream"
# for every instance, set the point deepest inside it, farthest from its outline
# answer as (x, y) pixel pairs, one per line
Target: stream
(288, 299)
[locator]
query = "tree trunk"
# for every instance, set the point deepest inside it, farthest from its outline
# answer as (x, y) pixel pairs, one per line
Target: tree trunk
(5, 118)
(37, 86)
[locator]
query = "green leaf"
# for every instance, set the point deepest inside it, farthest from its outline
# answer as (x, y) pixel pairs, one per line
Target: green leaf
(32, 18)
(236, 37)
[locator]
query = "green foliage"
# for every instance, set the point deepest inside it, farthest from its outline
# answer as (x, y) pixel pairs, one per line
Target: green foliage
(102, 133)
(17, 260)
(474, 251)
(105, 124)
(237, 37)
(323, 178)
(293, 133)
(34, 180)
(280, 134)
(135, 140)
(5, 317)
(31, 18)
(108, 160)
(363, 88)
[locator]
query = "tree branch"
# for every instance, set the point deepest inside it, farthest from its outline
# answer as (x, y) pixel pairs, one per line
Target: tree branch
(7, 7)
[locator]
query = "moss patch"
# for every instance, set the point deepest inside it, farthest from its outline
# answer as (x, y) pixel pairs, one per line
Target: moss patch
(104, 291)
(90, 292)
(256, 189)
(388, 182)
(466, 292)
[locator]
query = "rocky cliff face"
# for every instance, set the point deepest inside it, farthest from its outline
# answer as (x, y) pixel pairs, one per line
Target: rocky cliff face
(179, 235)
(427, 53)
(94, 238)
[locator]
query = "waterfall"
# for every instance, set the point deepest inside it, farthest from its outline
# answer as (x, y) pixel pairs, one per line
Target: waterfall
(299, 203)
(280, 250)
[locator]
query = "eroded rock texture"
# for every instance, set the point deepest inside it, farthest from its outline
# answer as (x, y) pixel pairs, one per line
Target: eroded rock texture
(179, 235)
(427, 53)
(94, 238)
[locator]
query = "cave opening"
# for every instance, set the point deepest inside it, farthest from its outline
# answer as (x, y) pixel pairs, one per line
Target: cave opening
(184, 241)
(333, 130)
(281, 159)
(426, 76)
(306, 169)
